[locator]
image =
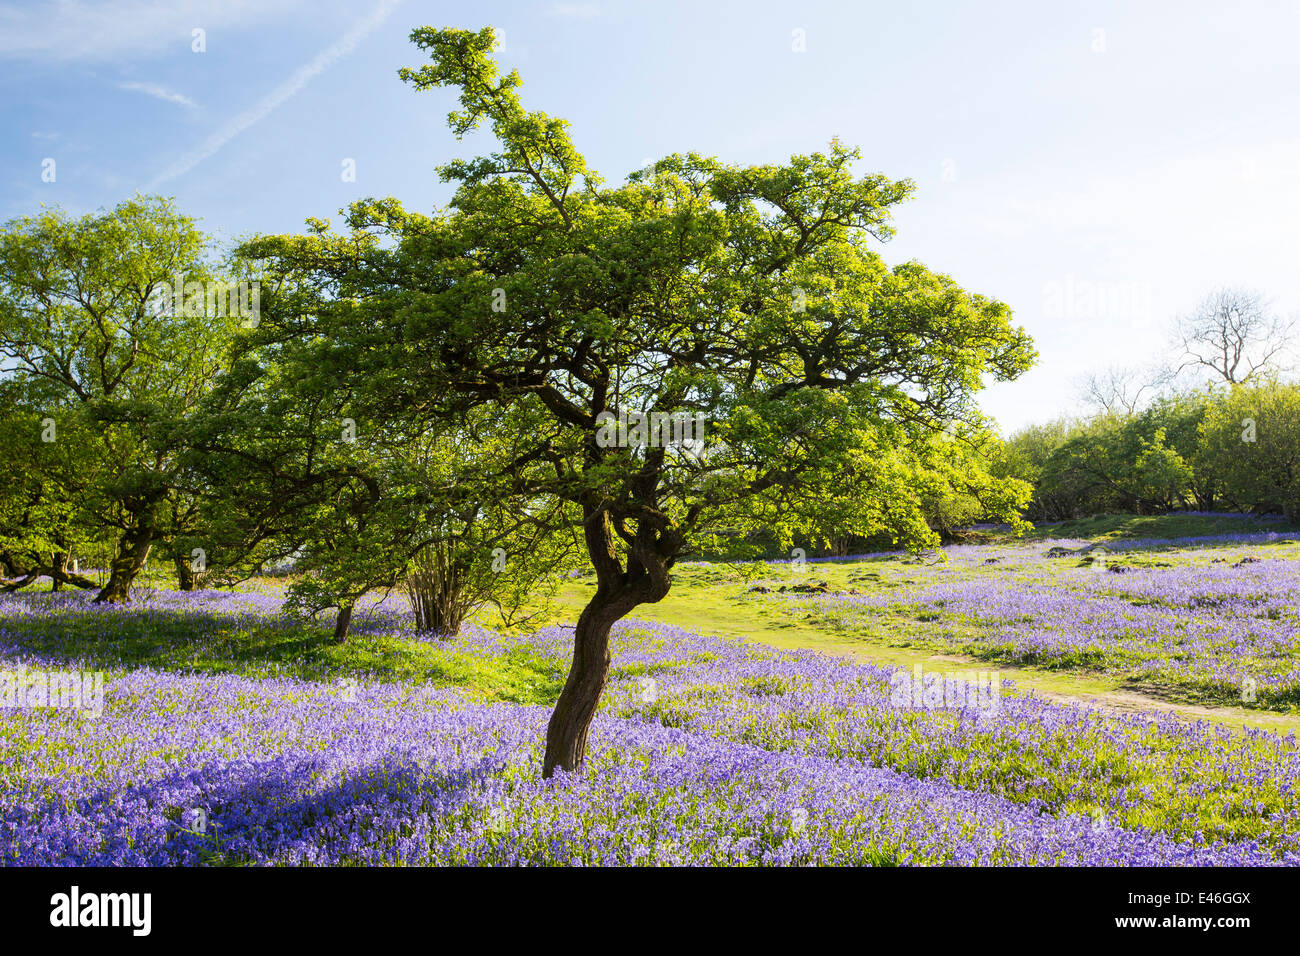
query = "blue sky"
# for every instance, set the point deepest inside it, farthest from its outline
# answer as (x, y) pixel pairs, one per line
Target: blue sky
(1097, 166)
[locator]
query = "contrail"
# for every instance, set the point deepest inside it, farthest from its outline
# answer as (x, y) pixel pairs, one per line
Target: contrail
(301, 77)
(159, 93)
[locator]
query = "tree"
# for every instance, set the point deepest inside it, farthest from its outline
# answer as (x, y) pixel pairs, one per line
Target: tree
(1233, 333)
(956, 499)
(799, 382)
(87, 314)
(1096, 465)
(1162, 476)
(1178, 417)
(1251, 438)
(1034, 456)
(1119, 389)
(42, 524)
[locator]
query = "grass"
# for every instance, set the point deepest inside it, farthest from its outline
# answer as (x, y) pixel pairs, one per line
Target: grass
(1133, 527)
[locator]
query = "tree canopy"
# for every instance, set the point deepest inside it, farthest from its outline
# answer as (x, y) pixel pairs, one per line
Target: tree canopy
(834, 391)
(106, 359)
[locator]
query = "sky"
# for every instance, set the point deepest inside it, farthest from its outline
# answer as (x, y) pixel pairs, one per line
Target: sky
(1099, 167)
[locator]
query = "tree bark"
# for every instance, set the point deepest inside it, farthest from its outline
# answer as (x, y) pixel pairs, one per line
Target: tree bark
(186, 579)
(58, 570)
(126, 565)
(76, 580)
(60, 576)
(436, 588)
(617, 592)
(342, 623)
(566, 734)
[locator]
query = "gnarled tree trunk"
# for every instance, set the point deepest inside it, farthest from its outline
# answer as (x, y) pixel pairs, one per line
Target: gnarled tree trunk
(65, 576)
(130, 558)
(566, 734)
(617, 592)
(58, 570)
(186, 579)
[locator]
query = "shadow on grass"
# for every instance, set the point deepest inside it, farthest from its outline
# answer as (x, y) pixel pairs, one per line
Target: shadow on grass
(247, 634)
(271, 811)
(1283, 701)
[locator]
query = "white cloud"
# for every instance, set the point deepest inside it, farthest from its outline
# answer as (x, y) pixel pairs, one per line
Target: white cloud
(159, 93)
(84, 30)
(300, 78)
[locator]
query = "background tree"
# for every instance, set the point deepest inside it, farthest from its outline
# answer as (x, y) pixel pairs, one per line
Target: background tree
(1179, 416)
(953, 501)
(81, 325)
(42, 523)
(292, 466)
(1252, 439)
(1161, 476)
(1234, 334)
(1121, 389)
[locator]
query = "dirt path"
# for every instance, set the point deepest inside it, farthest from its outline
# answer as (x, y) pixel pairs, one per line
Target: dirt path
(1114, 700)
(1121, 701)
(1066, 687)
(1130, 702)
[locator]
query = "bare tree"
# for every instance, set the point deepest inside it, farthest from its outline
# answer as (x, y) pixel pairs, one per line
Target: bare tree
(1234, 332)
(1119, 389)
